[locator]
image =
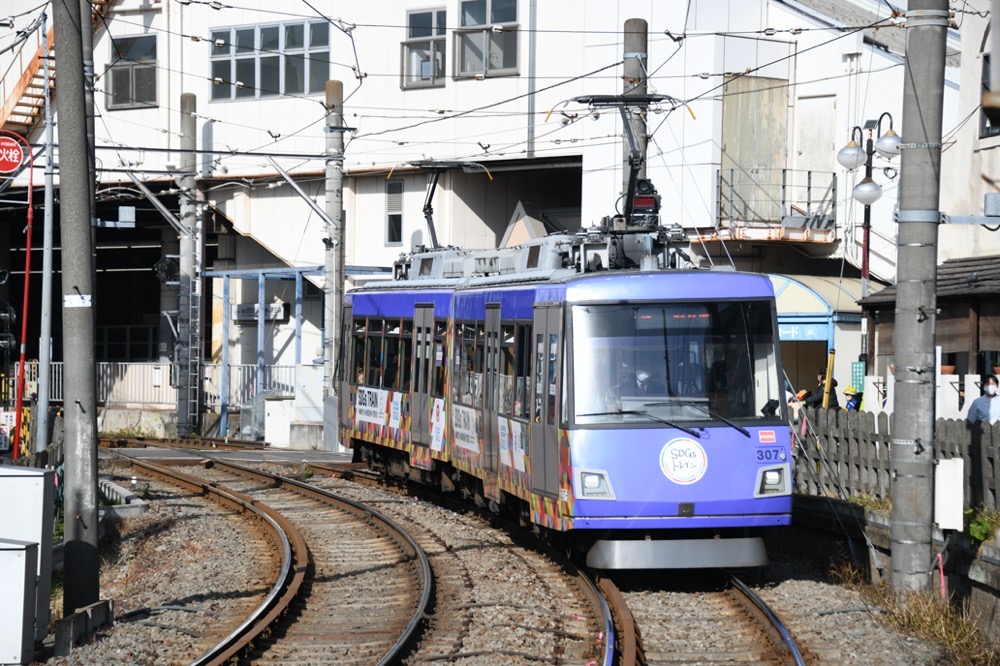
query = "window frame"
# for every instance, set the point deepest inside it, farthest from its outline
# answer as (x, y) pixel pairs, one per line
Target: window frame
(310, 55)
(487, 33)
(393, 211)
(435, 44)
(114, 101)
(986, 129)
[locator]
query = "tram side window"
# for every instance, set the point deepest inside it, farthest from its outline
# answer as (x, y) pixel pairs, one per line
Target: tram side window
(471, 363)
(358, 352)
(522, 369)
(552, 377)
(539, 374)
(505, 382)
(390, 372)
(373, 352)
(438, 361)
(406, 355)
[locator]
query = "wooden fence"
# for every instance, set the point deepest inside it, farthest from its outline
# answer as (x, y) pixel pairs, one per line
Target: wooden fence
(848, 453)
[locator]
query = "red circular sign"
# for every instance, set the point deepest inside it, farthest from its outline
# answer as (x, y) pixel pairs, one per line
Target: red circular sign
(10, 154)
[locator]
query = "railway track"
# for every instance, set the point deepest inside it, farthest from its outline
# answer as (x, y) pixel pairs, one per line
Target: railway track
(730, 624)
(570, 620)
(351, 586)
(496, 601)
(194, 443)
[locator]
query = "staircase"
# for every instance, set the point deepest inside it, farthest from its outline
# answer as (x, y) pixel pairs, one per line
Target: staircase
(23, 86)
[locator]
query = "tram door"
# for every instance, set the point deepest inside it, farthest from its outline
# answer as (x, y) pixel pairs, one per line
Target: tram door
(491, 433)
(423, 368)
(342, 376)
(544, 437)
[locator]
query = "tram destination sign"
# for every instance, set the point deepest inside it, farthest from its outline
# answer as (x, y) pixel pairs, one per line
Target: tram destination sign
(11, 155)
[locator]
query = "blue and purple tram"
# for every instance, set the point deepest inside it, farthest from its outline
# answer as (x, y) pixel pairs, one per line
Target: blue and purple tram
(633, 410)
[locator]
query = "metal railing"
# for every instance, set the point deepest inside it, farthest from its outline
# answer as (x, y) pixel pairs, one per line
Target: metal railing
(149, 385)
(769, 196)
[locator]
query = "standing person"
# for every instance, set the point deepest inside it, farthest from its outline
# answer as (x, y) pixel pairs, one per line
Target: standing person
(986, 407)
(853, 403)
(815, 399)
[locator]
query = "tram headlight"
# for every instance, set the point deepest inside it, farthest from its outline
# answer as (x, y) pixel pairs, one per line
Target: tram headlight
(772, 481)
(593, 484)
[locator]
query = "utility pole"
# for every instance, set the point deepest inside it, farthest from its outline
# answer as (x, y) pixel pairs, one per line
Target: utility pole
(333, 257)
(187, 348)
(45, 337)
(912, 447)
(87, 42)
(634, 60)
(81, 562)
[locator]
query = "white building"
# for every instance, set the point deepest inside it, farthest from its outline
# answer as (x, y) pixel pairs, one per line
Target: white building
(760, 96)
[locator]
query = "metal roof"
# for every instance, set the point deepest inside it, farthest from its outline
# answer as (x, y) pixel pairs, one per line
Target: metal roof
(847, 14)
(811, 294)
(967, 277)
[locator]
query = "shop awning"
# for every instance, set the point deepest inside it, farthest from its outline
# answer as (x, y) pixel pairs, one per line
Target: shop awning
(808, 305)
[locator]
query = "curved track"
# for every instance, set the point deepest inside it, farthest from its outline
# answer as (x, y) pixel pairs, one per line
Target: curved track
(352, 587)
(728, 625)
(496, 601)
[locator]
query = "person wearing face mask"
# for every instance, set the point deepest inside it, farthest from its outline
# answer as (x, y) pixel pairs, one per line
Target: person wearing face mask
(987, 406)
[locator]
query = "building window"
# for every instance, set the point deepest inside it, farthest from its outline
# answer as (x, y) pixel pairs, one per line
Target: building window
(394, 212)
(486, 42)
(987, 128)
(270, 60)
(131, 76)
(423, 50)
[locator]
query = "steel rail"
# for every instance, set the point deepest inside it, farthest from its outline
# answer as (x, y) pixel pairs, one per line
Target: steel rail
(601, 603)
(409, 545)
(627, 637)
(198, 443)
(288, 539)
(775, 624)
(596, 594)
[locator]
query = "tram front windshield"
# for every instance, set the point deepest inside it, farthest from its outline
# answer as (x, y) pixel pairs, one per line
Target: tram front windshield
(674, 362)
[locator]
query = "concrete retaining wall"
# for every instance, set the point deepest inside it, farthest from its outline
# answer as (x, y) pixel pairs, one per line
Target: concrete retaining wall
(972, 573)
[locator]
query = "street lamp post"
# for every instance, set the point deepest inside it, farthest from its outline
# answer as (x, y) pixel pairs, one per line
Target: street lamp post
(867, 192)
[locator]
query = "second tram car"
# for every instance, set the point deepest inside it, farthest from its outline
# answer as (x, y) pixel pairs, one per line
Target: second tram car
(634, 410)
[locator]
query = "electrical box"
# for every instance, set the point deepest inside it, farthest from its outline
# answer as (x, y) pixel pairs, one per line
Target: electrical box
(18, 563)
(278, 412)
(29, 495)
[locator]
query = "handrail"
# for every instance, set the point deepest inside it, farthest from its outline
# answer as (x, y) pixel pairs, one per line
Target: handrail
(13, 98)
(27, 76)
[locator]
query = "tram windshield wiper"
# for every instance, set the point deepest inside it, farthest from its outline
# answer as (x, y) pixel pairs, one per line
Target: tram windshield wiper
(698, 405)
(642, 412)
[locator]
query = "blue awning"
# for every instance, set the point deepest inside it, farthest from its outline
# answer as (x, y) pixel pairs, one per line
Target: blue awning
(809, 306)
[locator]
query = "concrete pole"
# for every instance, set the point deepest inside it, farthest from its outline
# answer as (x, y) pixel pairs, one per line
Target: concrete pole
(912, 446)
(81, 561)
(183, 354)
(45, 336)
(334, 257)
(87, 43)
(634, 57)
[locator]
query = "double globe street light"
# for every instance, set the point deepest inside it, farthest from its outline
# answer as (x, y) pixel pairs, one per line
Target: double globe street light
(868, 191)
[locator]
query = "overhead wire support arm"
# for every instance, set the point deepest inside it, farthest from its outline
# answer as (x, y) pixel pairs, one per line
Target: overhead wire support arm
(164, 211)
(635, 159)
(298, 190)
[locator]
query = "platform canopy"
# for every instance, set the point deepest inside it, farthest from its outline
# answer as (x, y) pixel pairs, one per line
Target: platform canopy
(809, 306)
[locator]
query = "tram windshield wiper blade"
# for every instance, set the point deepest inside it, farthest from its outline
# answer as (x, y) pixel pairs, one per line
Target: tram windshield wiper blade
(641, 412)
(695, 403)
